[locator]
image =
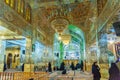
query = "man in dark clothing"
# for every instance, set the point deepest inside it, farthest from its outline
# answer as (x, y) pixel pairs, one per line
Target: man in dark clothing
(49, 67)
(114, 71)
(96, 71)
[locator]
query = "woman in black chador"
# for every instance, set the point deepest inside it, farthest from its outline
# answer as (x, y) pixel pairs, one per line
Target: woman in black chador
(114, 71)
(96, 71)
(49, 67)
(72, 66)
(62, 66)
(81, 65)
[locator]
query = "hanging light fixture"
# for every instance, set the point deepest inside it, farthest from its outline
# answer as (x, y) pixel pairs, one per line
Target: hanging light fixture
(59, 19)
(59, 22)
(59, 25)
(65, 38)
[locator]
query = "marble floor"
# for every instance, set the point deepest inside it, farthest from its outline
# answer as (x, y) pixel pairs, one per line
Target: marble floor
(71, 75)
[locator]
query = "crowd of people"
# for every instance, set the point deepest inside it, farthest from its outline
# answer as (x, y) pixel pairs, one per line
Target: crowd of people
(114, 70)
(63, 67)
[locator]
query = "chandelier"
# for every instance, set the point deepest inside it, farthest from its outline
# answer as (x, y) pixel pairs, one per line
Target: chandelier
(65, 38)
(59, 25)
(59, 19)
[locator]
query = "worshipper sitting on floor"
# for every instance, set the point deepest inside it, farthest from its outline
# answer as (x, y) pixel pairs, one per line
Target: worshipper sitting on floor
(77, 66)
(64, 71)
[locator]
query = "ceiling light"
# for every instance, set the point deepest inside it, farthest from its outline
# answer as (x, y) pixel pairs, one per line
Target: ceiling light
(65, 38)
(59, 19)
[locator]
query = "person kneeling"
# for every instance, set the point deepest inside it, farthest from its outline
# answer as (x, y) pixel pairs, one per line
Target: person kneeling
(64, 71)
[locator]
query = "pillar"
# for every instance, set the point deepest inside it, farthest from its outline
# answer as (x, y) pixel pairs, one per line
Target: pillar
(2, 8)
(2, 54)
(28, 65)
(61, 52)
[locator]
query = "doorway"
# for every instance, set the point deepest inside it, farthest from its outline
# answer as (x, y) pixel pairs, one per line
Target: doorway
(9, 60)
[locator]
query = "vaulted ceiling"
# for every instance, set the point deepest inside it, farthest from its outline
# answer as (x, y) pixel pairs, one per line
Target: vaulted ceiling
(80, 12)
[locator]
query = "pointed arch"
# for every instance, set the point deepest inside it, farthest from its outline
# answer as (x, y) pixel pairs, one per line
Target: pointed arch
(28, 13)
(18, 5)
(78, 36)
(22, 10)
(12, 3)
(7, 2)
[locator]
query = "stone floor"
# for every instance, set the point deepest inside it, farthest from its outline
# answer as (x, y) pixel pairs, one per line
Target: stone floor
(71, 75)
(12, 70)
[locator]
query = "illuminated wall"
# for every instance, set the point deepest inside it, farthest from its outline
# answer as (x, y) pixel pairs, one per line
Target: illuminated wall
(39, 50)
(74, 50)
(42, 53)
(102, 43)
(78, 37)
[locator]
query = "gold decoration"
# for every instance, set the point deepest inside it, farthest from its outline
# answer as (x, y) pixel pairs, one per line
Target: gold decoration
(12, 3)
(7, 2)
(59, 25)
(18, 6)
(59, 20)
(65, 38)
(8, 16)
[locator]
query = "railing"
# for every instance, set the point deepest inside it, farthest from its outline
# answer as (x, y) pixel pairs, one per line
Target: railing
(71, 75)
(24, 76)
(6, 76)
